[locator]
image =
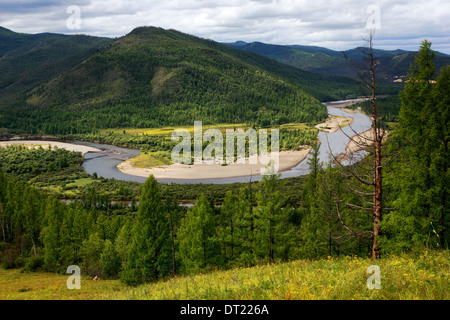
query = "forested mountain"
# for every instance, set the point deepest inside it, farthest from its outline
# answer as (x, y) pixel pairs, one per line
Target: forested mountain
(165, 77)
(394, 64)
(58, 84)
(153, 77)
(61, 84)
(27, 60)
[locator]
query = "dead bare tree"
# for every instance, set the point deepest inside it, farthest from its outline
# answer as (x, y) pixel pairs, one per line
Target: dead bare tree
(362, 171)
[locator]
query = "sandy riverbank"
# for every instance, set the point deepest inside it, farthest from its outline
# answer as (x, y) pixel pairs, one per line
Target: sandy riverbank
(334, 123)
(358, 142)
(44, 144)
(362, 140)
(343, 104)
(287, 160)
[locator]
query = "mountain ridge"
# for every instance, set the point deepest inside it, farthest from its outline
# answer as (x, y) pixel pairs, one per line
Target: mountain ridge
(153, 77)
(394, 64)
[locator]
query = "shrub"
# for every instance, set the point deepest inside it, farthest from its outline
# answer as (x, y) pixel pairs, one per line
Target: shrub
(34, 263)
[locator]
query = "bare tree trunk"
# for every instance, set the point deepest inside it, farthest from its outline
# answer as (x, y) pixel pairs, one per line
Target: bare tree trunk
(252, 225)
(377, 203)
(34, 246)
(372, 173)
(377, 170)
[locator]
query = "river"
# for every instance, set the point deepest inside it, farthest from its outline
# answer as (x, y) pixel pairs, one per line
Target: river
(105, 163)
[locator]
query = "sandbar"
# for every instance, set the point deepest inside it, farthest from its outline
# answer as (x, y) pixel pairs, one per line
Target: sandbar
(334, 123)
(44, 144)
(287, 160)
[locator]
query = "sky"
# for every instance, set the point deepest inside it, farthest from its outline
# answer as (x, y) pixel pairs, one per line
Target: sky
(335, 24)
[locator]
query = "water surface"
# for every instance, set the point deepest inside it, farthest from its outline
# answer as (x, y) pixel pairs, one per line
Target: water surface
(105, 163)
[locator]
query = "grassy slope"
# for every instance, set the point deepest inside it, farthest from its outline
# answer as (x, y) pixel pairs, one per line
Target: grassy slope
(425, 276)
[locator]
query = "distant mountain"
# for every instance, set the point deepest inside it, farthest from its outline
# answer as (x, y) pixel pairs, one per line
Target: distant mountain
(394, 64)
(27, 60)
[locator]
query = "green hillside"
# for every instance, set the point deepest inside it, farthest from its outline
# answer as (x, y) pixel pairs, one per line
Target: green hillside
(27, 60)
(153, 77)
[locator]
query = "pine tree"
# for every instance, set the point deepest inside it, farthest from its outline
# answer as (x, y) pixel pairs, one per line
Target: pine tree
(149, 256)
(67, 252)
(267, 214)
(90, 253)
(226, 231)
(245, 226)
(3, 199)
(314, 164)
(420, 179)
(173, 216)
(51, 234)
(367, 173)
(439, 138)
(123, 243)
(198, 248)
(110, 260)
(80, 229)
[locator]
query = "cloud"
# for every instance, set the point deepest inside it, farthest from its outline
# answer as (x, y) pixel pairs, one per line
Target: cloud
(334, 24)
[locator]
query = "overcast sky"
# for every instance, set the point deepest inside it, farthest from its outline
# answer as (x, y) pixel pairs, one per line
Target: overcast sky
(335, 24)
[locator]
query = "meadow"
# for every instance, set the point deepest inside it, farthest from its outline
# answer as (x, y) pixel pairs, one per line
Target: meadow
(423, 276)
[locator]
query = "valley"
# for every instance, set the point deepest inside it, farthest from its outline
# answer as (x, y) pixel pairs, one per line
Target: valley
(88, 176)
(109, 161)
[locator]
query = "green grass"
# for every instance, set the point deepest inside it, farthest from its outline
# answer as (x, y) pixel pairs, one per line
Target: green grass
(81, 182)
(408, 276)
(17, 285)
(153, 159)
(167, 131)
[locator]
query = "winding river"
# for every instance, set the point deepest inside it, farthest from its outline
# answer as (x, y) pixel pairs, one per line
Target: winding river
(105, 163)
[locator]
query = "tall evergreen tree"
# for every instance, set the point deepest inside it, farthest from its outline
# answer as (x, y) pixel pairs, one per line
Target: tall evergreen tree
(90, 252)
(245, 226)
(53, 220)
(227, 229)
(123, 243)
(267, 214)
(68, 251)
(149, 256)
(3, 193)
(173, 216)
(440, 140)
(198, 245)
(110, 260)
(420, 177)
